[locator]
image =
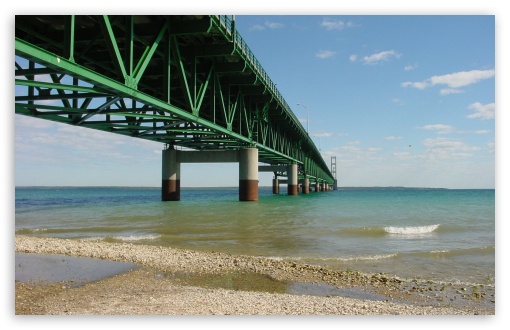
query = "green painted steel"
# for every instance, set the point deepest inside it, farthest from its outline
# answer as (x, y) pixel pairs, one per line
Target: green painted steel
(185, 81)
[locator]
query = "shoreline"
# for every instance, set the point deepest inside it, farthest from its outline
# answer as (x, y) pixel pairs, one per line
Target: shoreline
(184, 282)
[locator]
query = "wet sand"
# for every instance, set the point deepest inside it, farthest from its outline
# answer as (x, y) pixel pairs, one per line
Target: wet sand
(168, 281)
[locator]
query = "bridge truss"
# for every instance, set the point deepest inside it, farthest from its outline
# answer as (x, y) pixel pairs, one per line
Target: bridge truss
(185, 81)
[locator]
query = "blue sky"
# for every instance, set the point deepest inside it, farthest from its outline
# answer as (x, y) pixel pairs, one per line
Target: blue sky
(399, 100)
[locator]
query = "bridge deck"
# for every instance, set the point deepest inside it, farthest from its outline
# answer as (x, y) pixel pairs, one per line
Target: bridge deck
(186, 81)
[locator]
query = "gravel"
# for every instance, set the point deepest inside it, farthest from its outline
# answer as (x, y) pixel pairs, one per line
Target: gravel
(151, 289)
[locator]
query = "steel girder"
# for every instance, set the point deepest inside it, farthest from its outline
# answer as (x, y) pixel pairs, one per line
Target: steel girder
(188, 81)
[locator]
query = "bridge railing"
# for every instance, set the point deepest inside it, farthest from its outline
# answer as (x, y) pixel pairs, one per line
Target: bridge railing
(226, 23)
(227, 26)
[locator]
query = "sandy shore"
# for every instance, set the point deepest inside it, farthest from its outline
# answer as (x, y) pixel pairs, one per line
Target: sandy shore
(154, 288)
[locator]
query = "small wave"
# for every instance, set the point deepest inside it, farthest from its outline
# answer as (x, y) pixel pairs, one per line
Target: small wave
(369, 257)
(350, 259)
(469, 251)
(132, 238)
(135, 238)
(26, 231)
(411, 230)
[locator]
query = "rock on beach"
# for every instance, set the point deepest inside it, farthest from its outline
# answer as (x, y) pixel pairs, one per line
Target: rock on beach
(145, 291)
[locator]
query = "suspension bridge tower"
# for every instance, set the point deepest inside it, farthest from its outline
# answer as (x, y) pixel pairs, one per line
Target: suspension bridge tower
(333, 171)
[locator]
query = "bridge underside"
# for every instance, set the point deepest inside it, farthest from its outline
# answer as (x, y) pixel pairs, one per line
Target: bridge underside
(189, 82)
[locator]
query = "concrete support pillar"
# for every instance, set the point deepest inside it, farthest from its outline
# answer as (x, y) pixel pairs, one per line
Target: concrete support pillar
(276, 186)
(292, 184)
(171, 176)
(317, 186)
(306, 185)
(324, 186)
(248, 174)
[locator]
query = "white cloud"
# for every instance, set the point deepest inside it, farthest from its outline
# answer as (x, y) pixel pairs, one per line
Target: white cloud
(353, 58)
(323, 134)
(257, 27)
(339, 25)
(393, 138)
(441, 147)
(464, 78)
(73, 143)
(325, 54)
(33, 123)
(386, 55)
(484, 131)
(410, 67)
(401, 154)
(417, 85)
(447, 91)
(274, 25)
(482, 111)
(439, 128)
(267, 25)
(350, 148)
(452, 80)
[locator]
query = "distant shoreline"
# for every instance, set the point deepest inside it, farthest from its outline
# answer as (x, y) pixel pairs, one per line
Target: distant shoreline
(263, 187)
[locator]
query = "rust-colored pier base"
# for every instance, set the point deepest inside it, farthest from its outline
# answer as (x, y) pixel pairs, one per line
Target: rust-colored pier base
(171, 190)
(276, 187)
(292, 182)
(248, 170)
(248, 190)
(171, 172)
(305, 188)
(249, 174)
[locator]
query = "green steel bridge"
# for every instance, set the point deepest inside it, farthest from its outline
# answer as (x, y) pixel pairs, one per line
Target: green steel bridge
(189, 82)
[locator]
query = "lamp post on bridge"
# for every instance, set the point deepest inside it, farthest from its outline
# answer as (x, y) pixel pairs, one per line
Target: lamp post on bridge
(307, 117)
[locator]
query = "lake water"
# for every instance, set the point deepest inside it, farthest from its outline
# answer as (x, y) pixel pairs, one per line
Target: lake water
(430, 234)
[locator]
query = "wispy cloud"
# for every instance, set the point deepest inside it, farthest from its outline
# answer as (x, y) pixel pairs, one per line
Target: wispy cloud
(73, 142)
(257, 27)
(383, 56)
(452, 80)
(267, 25)
(393, 138)
(353, 58)
(274, 25)
(483, 111)
(322, 54)
(439, 128)
(323, 134)
(441, 147)
(447, 91)
(410, 67)
(338, 24)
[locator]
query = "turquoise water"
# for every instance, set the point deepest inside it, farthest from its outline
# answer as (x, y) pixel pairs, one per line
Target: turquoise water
(430, 234)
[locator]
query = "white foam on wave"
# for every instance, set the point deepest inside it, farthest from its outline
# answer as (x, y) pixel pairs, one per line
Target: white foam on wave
(369, 257)
(136, 238)
(122, 238)
(411, 230)
(353, 258)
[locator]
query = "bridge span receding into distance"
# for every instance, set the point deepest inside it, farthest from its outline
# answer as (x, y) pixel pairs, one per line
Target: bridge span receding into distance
(189, 82)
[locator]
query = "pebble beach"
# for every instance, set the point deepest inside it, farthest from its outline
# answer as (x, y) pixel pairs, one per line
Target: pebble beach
(152, 288)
